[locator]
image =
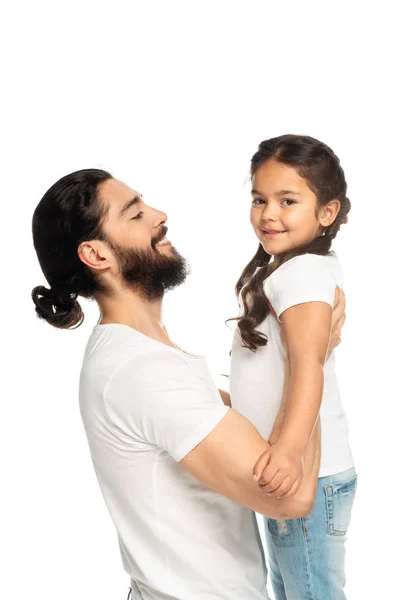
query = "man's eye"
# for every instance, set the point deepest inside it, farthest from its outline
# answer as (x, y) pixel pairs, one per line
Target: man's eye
(138, 216)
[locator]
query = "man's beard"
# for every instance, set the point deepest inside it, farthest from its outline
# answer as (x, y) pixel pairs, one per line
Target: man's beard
(149, 272)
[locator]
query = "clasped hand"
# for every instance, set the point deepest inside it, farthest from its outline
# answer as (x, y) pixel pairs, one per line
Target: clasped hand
(279, 471)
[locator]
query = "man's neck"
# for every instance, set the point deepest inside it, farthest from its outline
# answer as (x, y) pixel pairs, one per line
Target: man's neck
(129, 308)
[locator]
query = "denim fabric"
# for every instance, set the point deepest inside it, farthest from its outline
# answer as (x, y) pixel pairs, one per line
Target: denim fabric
(307, 556)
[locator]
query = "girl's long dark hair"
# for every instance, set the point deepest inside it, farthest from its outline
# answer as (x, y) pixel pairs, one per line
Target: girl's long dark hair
(69, 213)
(320, 167)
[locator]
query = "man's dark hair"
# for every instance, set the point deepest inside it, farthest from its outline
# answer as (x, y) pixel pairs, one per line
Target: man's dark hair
(69, 213)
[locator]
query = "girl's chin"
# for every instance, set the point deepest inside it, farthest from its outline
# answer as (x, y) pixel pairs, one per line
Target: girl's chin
(274, 248)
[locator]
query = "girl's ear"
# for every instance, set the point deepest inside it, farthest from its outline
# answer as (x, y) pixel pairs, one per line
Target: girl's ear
(329, 212)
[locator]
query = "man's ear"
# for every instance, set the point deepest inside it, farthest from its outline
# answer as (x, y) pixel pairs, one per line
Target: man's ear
(95, 254)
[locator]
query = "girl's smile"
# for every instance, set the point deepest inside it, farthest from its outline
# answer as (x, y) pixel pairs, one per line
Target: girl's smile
(285, 212)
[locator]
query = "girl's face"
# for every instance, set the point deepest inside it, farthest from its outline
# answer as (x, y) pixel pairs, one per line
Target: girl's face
(285, 212)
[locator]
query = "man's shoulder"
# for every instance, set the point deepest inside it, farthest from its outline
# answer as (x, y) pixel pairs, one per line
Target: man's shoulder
(116, 355)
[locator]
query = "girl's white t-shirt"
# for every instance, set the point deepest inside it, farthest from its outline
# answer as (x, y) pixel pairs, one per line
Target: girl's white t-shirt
(256, 378)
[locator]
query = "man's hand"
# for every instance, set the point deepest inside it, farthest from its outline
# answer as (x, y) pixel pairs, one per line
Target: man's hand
(338, 319)
(279, 471)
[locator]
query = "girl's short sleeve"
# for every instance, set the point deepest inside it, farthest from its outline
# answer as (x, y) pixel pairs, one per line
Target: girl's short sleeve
(302, 279)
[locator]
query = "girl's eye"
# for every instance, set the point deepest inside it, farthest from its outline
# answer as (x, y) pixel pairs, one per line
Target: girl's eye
(257, 201)
(138, 216)
(290, 202)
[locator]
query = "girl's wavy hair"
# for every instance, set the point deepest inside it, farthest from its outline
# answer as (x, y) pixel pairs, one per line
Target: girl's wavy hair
(320, 167)
(69, 213)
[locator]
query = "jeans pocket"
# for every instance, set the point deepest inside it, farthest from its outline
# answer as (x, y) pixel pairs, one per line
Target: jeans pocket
(339, 502)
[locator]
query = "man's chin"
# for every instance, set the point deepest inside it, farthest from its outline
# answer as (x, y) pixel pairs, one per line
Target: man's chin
(152, 272)
(170, 275)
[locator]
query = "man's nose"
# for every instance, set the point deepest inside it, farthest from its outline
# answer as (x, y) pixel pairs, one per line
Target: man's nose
(160, 217)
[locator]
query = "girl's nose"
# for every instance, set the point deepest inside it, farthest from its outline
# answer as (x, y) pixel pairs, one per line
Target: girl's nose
(270, 213)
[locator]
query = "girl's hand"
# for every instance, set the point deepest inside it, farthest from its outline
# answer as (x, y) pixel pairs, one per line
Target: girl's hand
(279, 471)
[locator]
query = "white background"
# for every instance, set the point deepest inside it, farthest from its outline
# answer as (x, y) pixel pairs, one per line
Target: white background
(173, 97)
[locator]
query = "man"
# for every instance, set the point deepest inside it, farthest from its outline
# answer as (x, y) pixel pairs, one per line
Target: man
(174, 462)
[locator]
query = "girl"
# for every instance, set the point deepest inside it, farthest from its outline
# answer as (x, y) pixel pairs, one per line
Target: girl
(299, 203)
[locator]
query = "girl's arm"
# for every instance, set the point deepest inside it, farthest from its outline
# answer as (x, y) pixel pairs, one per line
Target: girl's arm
(307, 329)
(280, 418)
(338, 319)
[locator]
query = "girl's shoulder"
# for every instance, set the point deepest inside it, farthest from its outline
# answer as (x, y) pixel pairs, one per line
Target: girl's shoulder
(304, 267)
(311, 262)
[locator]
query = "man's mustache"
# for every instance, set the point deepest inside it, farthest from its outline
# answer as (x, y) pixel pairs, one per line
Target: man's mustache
(159, 236)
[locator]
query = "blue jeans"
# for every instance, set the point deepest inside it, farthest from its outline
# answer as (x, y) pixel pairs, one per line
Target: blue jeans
(306, 556)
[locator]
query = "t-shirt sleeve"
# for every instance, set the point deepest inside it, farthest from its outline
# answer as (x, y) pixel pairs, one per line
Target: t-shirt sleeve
(159, 399)
(300, 280)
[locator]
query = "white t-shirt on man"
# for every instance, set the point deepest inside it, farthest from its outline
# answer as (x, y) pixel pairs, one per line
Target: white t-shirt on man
(145, 406)
(256, 378)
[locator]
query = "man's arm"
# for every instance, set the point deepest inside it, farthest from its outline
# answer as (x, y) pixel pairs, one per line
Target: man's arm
(224, 462)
